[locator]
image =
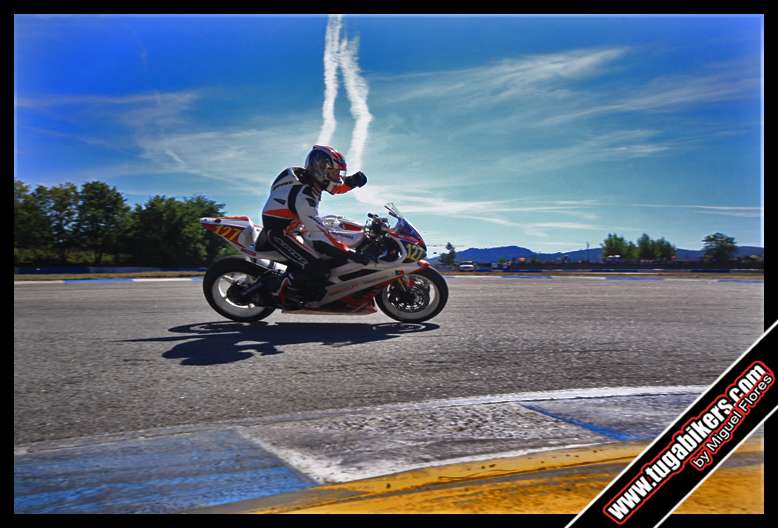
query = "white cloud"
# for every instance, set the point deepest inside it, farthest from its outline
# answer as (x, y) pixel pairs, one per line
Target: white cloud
(153, 109)
(724, 210)
(139, 113)
(174, 98)
(342, 53)
(611, 146)
(502, 80)
(665, 93)
(169, 141)
(356, 90)
(331, 61)
(740, 214)
(545, 96)
(245, 159)
(497, 212)
(566, 225)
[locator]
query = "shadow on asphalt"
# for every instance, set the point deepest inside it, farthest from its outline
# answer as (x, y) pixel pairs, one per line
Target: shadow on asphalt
(226, 342)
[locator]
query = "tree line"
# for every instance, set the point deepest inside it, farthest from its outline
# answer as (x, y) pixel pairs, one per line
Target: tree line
(717, 247)
(644, 248)
(63, 224)
(93, 224)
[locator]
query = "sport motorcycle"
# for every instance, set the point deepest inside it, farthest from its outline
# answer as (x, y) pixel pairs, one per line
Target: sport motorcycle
(397, 280)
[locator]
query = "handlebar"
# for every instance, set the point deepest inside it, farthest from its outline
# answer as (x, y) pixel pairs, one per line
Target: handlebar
(377, 218)
(377, 225)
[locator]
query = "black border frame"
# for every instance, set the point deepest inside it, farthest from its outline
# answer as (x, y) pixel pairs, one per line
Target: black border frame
(573, 7)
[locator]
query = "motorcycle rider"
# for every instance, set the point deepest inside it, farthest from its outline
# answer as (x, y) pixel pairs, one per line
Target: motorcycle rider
(293, 204)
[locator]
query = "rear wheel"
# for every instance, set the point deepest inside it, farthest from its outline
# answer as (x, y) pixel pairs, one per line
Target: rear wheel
(423, 300)
(223, 283)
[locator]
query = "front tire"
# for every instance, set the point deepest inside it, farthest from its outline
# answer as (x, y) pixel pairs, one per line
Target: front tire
(426, 299)
(226, 273)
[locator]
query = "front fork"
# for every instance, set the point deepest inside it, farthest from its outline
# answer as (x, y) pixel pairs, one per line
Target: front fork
(404, 281)
(405, 278)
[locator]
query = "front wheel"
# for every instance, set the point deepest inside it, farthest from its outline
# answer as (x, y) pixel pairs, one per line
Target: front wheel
(222, 283)
(423, 300)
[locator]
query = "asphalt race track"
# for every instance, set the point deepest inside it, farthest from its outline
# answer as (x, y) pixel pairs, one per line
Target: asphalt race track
(619, 357)
(105, 358)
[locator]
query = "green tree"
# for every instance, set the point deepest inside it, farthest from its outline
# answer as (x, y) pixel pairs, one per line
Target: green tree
(32, 230)
(614, 245)
(631, 251)
(103, 219)
(646, 248)
(664, 250)
(60, 206)
(167, 231)
(215, 246)
(719, 247)
(448, 259)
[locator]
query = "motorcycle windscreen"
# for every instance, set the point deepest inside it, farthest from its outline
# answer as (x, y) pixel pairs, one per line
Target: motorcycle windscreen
(404, 227)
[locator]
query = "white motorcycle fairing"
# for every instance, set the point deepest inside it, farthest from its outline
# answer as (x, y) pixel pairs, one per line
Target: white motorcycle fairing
(348, 279)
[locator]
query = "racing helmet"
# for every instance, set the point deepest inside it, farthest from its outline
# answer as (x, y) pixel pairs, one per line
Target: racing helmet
(325, 164)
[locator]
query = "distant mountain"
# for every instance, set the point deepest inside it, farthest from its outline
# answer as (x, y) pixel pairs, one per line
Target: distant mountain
(747, 251)
(592, 254)
(493, 254)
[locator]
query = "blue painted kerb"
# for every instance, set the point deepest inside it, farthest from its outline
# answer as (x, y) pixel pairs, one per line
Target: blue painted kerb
(150, 475)
(596, 428)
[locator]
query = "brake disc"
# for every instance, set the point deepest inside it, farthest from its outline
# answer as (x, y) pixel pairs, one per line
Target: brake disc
(412, 299)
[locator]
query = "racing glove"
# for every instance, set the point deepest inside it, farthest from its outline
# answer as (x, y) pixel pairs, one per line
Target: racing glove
(358, 179)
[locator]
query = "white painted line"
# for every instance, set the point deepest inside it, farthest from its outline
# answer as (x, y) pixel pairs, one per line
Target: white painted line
(170, 279)
(604, 277)
(101, 281)
(472, 277)
(326, 470)
(569, 277)
(341, 445)
(562, 394)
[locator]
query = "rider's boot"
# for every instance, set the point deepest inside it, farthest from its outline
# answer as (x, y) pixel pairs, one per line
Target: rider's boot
(302, 289)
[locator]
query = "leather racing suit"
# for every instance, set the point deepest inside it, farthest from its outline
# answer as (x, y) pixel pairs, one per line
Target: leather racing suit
(293, 203)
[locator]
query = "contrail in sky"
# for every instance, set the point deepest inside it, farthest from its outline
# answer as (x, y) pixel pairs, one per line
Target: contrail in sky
(343, 54)
(330, 79)
(356, 90)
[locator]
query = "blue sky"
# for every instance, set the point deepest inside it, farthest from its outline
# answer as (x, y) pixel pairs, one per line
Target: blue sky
(545, 132)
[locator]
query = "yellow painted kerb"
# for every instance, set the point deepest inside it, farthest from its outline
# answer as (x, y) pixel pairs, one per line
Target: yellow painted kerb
(563, 481)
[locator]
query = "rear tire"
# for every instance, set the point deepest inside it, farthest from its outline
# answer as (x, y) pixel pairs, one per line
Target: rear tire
(225, 273)
(437, 298)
